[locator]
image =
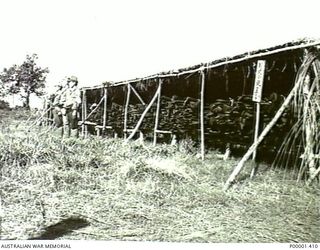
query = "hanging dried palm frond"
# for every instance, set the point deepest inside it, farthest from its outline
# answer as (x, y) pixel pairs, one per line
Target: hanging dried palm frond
(271, 67)
(284, 67)
(300, 147)
(249, 71)
(294, 65)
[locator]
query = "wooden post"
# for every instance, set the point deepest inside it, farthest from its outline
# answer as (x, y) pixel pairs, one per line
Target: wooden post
(98, 131)
(144, 114)
(257, 94)
(82, 113)
(104, 122)
(126, 111)
(202, 113)
(85, 114)
(256, 132)
(157, 114)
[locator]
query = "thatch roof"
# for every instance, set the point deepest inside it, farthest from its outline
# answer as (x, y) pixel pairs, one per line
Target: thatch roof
(287, 47)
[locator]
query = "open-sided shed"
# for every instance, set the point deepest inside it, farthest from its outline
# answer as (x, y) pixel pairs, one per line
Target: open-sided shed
(209, 103)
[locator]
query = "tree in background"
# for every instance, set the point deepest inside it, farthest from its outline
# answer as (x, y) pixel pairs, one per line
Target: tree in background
(24, 79)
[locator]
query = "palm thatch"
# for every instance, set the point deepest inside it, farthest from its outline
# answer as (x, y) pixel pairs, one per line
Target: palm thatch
(300, 147)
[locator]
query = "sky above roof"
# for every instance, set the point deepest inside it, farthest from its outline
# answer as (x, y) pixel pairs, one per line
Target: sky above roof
(119, 40)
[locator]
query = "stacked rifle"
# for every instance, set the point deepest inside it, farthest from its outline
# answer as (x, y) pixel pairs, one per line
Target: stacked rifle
(226, 121)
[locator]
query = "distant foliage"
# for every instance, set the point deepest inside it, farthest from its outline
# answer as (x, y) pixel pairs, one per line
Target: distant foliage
(4, 105)
(24, 79)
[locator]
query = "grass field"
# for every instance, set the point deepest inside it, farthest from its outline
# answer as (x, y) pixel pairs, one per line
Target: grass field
(105, 189)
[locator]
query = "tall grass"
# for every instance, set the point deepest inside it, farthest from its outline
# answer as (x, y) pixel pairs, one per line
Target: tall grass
(134, 191)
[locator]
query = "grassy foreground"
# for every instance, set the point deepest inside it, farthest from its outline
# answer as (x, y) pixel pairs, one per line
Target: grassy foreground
(139, 192)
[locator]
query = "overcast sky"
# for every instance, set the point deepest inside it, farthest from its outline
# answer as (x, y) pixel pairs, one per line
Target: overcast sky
(122, 39)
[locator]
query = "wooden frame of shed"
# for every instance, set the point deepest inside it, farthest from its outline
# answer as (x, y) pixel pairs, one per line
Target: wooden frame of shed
(225, 79)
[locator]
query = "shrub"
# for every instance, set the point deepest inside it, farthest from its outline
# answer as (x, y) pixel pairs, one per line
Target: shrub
(4, 105)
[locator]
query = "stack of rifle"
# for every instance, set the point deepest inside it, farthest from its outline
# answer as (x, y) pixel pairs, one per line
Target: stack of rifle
(225, 121)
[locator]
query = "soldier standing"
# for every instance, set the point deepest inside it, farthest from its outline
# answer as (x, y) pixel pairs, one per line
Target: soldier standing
(57, 107)
(70, 103)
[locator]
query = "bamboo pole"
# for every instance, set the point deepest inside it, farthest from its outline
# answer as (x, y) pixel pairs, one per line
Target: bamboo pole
(256, 133)
(126, 112)
(144, 114)
(257, 96)
(85, 114)
(104, 122)
(137, 94)
(202, 112)
(260, 138)
(82, 113)
(156, 123)
(95, 109)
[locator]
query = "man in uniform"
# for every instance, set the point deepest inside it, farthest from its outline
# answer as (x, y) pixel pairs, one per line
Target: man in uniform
(57, 107)
(70, 101)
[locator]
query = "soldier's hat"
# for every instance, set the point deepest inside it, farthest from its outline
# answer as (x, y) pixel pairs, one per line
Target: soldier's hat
(72, 79)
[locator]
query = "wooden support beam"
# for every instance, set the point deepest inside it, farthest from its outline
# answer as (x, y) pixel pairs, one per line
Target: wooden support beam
(130, 129)
(105, 127)
(260, 138)
(156, 123)
(104, 122)
(82, 113)
(163, 131)
(98, 131)
(90, 123)
(137, 94)
(144, 114)
(85, 114)
(126, 111)
(257, 96)
(202, 74)
(100, 128)
(256, 133)
(95, 109)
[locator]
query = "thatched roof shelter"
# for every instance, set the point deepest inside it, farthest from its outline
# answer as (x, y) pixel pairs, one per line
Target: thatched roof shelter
(210, 103)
